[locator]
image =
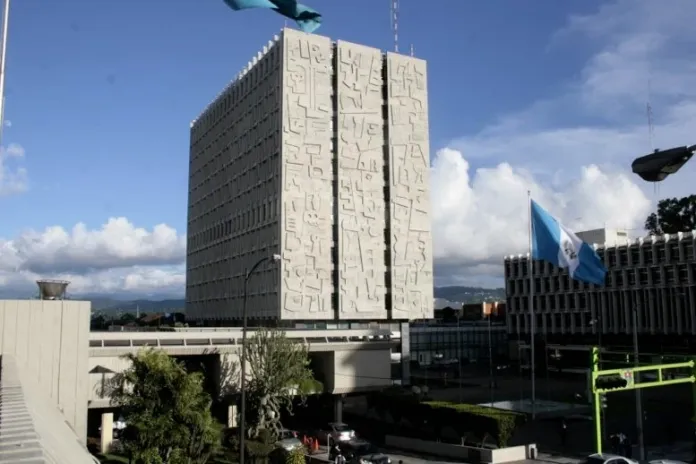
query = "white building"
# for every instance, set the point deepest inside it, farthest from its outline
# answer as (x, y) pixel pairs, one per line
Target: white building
(655, 276)
(318, 152)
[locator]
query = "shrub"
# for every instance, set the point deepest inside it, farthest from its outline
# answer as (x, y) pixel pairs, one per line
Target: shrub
(481, 419)
(296, 456)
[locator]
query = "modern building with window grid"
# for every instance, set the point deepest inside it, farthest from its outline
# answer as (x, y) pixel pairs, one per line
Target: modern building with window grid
(318, 152)
(654, 276)
(440, 344)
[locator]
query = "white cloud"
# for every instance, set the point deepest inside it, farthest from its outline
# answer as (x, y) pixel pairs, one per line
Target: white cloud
(571, 150)
(480, 217)
(118, 257)
(13, 178)
(574, 150)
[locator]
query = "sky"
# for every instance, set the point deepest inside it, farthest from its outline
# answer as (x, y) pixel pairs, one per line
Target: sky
(525, 95)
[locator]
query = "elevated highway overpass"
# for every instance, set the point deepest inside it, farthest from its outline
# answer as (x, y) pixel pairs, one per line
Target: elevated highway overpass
(345, 361)
(59, 365)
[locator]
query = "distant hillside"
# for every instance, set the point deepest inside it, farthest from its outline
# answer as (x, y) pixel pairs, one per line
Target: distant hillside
(443, 296)
(144, 306)
(469, 294)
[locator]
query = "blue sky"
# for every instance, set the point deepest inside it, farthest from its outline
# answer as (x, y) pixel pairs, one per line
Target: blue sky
(100, 96)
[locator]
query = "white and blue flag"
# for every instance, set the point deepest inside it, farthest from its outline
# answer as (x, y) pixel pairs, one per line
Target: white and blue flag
(553, 243)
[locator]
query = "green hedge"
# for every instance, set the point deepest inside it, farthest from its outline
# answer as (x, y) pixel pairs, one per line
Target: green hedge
(424, 414)
(499, 423)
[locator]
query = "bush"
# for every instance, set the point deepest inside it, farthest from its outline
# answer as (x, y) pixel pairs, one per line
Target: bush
(296, 456)
(481, 419)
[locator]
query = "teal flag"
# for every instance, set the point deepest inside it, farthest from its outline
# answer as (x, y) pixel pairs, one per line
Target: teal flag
(306, 18)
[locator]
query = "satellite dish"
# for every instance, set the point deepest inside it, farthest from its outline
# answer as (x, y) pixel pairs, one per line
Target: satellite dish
(656, 166)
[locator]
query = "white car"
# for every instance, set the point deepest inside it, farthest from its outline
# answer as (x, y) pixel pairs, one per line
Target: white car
(288, 440)
(605, 458)
(336, 432)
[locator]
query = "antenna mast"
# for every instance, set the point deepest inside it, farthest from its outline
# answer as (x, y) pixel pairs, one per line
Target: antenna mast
(651, 131)
(649, 111)
(395, 23)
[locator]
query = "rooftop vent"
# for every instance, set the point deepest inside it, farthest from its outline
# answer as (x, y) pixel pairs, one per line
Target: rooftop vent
(52, 289)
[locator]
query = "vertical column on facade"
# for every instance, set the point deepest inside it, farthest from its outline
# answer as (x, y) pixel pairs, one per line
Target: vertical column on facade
(691, 304)
(409, 163)
(107, 432)
(652, 295)
(613, 311)
(306, 233)
(336, 226)
(361, 183)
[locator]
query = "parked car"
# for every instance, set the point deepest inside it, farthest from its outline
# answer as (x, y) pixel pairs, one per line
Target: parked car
(358, 451)
(608, 459)
(288, 440)
(335, 432)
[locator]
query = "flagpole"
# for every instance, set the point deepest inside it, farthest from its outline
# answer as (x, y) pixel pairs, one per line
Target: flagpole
(532, 316)
(3, 61)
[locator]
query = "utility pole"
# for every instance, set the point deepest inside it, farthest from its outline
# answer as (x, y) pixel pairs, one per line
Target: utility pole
(639, 399)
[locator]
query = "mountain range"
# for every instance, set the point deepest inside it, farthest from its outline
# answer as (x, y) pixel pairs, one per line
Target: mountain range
(445, 296)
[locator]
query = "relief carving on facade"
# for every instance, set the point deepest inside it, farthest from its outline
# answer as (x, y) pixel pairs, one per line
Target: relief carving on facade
(361, 207)
(307, 176)
(411, 241)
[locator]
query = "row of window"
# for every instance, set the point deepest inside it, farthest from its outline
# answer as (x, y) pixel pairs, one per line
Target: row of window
(671, 310)
(237, 158)
(238, 91)
(233, 248)
(252, 219)
(586, 300)
(681, 274)
(671, 251)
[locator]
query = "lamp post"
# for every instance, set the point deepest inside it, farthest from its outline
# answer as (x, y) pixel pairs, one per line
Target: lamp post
(242, 380)
(490, 357)
(639, 399)
(459, 356)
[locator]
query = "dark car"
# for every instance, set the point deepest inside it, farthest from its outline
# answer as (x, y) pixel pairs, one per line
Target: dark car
(358, 451)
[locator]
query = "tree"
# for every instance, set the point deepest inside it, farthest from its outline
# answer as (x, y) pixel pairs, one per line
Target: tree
(673, 215)
(279, 372)
(167, 411)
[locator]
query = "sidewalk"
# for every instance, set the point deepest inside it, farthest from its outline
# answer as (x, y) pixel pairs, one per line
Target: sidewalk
(680, 451)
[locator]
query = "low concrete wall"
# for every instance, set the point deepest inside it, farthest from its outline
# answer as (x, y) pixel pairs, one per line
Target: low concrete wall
(464, 453)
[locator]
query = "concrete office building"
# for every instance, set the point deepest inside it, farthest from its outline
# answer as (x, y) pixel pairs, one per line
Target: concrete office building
(655, 276)
(318, 152)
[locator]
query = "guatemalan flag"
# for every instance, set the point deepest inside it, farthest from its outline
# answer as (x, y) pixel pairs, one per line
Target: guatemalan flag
(553, 243)
(306, 18)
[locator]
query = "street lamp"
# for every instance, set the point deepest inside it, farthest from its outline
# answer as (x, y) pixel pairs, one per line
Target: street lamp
(656, 166)
(242, 380)
(490, 356)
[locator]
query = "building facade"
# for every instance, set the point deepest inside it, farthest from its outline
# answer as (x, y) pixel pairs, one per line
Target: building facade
(446, 344)
(317, 152)
(653, 276)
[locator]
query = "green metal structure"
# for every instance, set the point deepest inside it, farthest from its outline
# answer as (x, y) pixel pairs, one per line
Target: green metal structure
(616, 380)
